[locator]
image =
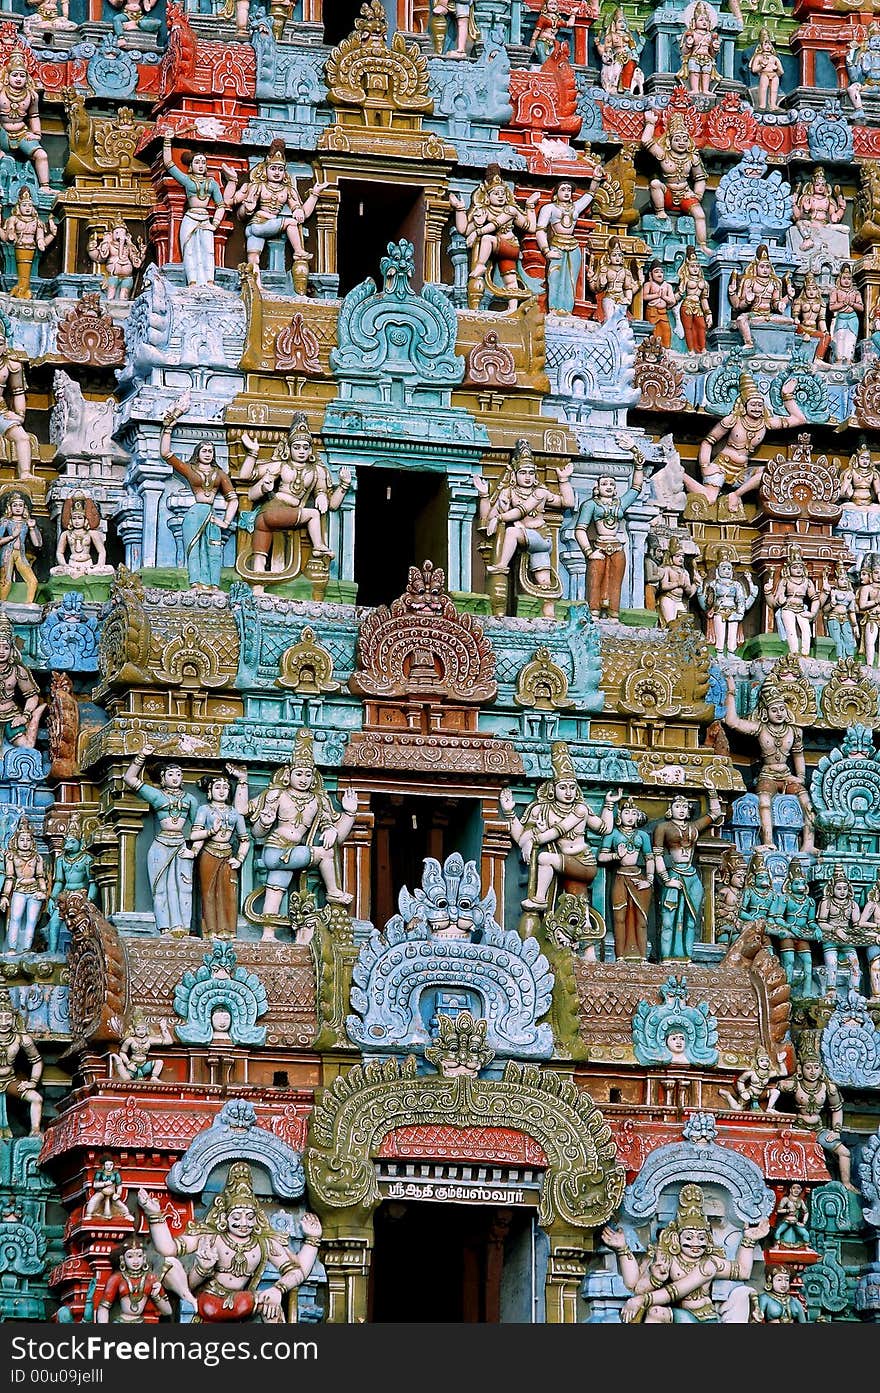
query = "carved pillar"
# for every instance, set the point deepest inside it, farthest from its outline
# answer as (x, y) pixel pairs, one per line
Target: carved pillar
(357, 856)
(436, 218)
(496, 845)
(637, 523)
(326, 217)
(462, 512)
(566, 1267)
(346, 1250)
(345, 538)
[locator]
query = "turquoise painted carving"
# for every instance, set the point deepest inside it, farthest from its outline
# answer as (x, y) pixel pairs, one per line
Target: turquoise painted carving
(674, 1032)
(220, 999)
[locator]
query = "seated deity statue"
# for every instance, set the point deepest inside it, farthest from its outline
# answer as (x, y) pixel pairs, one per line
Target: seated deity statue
(21, 706)
(131, 1061)
(619, 48)
(81, 550)
(758, 296)
(683, 182)
(739, 434)
(107, 1200)
(817, 1101)
(20, 129)
(863, 64)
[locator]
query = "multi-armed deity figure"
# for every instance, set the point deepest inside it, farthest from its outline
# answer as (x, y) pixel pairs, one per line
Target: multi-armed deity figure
(814, 1094)
(739, 434)
(674, 1283)
(490, 226)
(20, 129)
(199, 223)
(683, 184)
(169, 859)
(81, 549)
(628, 849)
(693, 300)
(25, 890)
(838, 927)
(299, 827)
(726, 602)
(838, 604)
(599, 532)
(231, 1248)
(816, 205)
(119, 256)
(17, 529)
(221, 842)
(675, 851)
(619, 48)
(792, 920)
(758, 295)
(270, 203)
(21, 706)
(699, 46)
(783, 768)
(614, 284)
(794, 599)
(203, 526)
(14, 1042)
(555, 236)
(514, 515)
(295, 492)
(26, 232)
(551, 834)
(766, 65)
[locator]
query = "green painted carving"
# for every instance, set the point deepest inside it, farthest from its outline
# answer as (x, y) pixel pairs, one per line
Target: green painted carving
(583, 1184)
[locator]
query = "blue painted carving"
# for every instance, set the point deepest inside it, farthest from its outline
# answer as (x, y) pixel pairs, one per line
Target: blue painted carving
(653, 1023)
(235, 1135)
(845, 788)
(394, 335)
(851, 1044)
(19, 765)
(45, 1010)
(220, 985)
(589, 109)
(752, 199)
(810, 391)
(445, 950)
(829, 134)
(869, 1178)
(112, 70)
(699, 1159)
(293, 77)
(472, 101)
(67, 639)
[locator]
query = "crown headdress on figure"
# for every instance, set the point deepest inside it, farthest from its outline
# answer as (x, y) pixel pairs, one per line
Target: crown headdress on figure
(561, 761)
(299, 427)
(808, 1051)
(493, 177)
(840, 877)
(691, 1213)
(303, 756)
(748, 389)
(277, 153)
(239, 1187)
(757, 865)
(15, 62)
(522, 450)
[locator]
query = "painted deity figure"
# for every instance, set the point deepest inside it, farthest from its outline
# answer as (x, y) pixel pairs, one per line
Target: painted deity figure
(628, 849)
(726, 602)
(754, 1085)
(221, 842)
(199, 223)
(169, 859)
(25, 230)
(860, 480)
(869, 920)
(793, 1218)
(619, 48)
(136, 14)
(466, 31)
(792, 921)
(20, 129)
(694, 1261)
(675, 858)
(71, 874)
(681, 188)
(555, 236)
(693, 298)
(739, 434)
(490, 227)
(759, 896)
(15, 1043)
(118, 256)
(270, 204)
(837, 922)
(131, 1288)
(781, 747)
(729, 888)
(776, 1305)
(514, 515)
(810, 314)
(758, 295)
(231, 1248)
(17, 530)
(132, 1060)
(108, 1194)
(554, 827)
(299, 827)
(294, 492)
(49, 14)
(614, 284)
(80, 550)
(554, 17)
(766, 66)
(658, 300)
(24, 891)
(599, 532)
(868, 607)
(846, 305)
(13, 402)
(814, 1096)
(674, 584)
(794, 599)
(700, 46)
(203, 523)
(21, 707)
(816, 204)
(863, 64)
(838, 604)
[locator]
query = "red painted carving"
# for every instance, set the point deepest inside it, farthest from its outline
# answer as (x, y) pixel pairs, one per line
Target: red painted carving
(88, 335)
(502, 1145)
(297, 348)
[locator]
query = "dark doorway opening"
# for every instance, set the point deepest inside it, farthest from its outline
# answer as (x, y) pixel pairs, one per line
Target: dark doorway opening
(444, 1262)
(339, 18)
(370, 216)
(400, 521)
(409, 828)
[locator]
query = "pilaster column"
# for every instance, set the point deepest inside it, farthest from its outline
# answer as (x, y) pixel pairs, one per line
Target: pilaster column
(462, 512)
(566, 1267)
